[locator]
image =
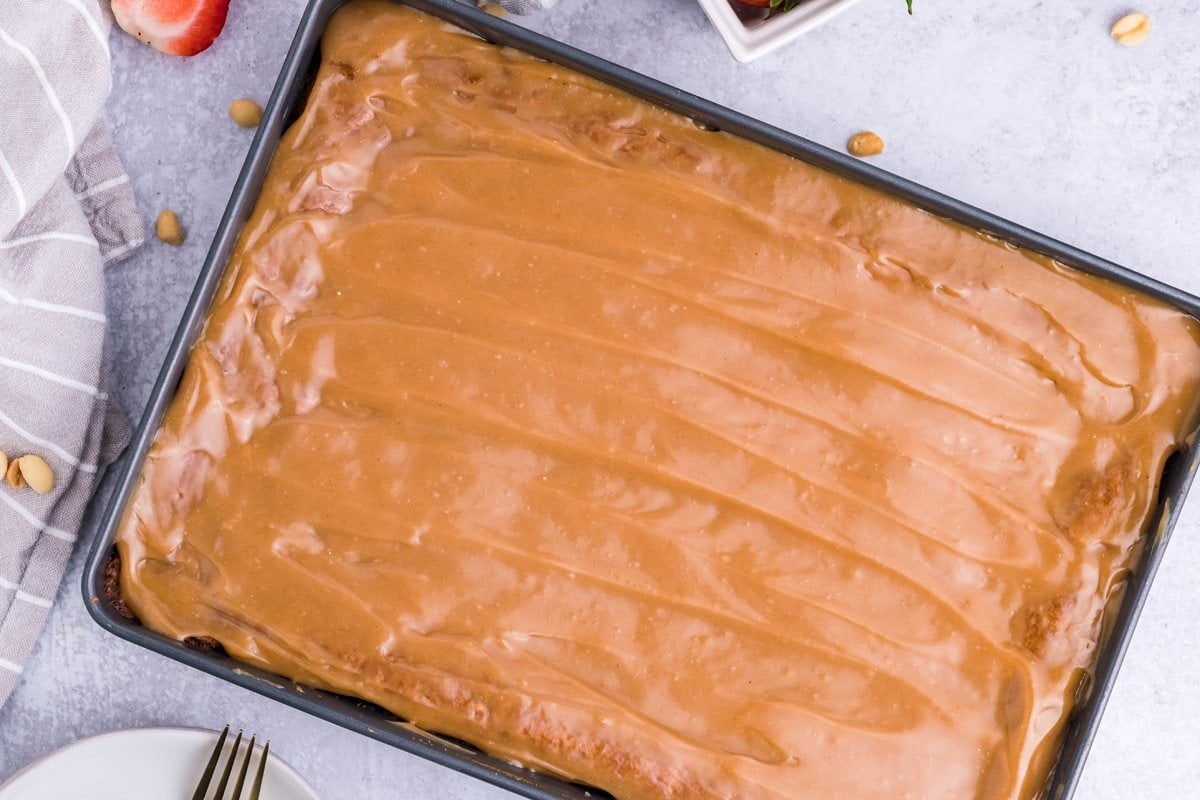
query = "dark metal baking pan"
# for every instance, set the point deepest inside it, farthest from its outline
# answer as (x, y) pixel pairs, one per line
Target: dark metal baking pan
(288, 98)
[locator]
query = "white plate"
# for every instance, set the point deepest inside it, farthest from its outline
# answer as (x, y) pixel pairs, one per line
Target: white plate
(143, 764)
(749, 40)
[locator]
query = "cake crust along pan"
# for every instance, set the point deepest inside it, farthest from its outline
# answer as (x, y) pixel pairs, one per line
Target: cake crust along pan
(291, 91)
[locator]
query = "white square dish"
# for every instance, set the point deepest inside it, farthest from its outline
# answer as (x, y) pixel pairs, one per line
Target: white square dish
(748, 40)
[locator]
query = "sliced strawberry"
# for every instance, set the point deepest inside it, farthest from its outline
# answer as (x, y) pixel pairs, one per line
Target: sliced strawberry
(176, 27)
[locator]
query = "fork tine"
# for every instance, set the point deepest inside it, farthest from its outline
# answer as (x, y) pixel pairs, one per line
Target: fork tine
(241, 781)
(228, 768)
(258, 776)
(206, 778)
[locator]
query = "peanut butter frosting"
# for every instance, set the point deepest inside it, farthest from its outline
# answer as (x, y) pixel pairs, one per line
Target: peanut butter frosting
(646, 455)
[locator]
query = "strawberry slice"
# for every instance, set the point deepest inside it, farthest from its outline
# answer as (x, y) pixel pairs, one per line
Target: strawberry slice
(175, 27)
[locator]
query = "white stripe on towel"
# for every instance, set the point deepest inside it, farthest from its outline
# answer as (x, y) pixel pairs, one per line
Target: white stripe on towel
(61, 236)
(56, 308)
(57, 533)
(117, 252)
(51, 446)
(95, 27)
(22, 204)
(103, 186)
(51, 95)
(10, 666)
(33, 601)
(24, 596)
(59, 308)
(53, 377)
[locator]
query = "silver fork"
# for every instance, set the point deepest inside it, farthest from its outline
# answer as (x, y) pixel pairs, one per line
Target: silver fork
(206, 779)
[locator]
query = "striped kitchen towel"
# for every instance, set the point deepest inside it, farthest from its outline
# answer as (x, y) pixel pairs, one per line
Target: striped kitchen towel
(66, 210)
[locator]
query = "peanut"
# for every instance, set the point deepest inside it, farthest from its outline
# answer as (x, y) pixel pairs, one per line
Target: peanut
(37, 473)
(167, 228)
(245, 112)
(1131, 29)
(866, 143)
(13, 474)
